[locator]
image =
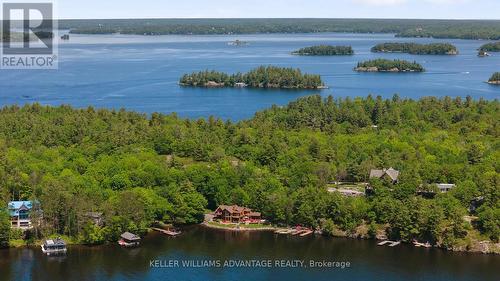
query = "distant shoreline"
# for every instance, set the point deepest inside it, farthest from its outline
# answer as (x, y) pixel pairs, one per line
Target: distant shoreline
(430, 28)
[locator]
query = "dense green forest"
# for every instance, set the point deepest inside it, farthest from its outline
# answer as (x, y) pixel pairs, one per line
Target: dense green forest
(137, 169)
(385, 65)
(261, 77)
(324, 50)
(416, 49)
(465, 29)
(495, 78)
(470, 30)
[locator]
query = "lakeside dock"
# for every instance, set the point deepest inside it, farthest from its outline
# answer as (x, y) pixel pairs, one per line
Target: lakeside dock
(301, 232)
(166, 231)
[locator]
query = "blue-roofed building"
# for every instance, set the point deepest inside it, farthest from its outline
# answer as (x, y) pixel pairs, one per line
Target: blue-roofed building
(20, 214)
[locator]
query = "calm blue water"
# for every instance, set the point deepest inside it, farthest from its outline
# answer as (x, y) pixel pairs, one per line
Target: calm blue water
(141, 73)
(367, 261)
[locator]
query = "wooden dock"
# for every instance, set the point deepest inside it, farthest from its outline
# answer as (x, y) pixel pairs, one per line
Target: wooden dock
(295, 231)
(166, 231)
(306, 232)
(283, 231)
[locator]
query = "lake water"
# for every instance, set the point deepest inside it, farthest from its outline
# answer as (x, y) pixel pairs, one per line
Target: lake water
(367, 261)
(141, 72)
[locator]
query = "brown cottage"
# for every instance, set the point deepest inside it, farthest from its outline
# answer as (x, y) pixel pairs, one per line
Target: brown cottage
(236, 214)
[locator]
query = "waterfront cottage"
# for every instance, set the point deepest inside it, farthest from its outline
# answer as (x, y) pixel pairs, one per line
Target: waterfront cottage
(236, 214)
(390, 174)
(20, 214)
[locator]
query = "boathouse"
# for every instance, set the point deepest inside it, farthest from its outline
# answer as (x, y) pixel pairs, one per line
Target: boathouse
(236, 214)
(54, 246)
(129, 239)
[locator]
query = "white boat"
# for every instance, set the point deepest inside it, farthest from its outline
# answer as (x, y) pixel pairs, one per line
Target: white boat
(54, 247)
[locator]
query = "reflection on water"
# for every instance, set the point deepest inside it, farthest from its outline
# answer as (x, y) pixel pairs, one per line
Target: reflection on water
(367, 261)
(141, 72)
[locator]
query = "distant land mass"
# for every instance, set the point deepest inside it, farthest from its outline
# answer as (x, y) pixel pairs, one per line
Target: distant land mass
(324, 50)
(416, 49)
(385, 65)
(463, 29)
(261, 77)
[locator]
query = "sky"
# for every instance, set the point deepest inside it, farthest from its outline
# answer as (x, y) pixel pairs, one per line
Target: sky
(441, 9)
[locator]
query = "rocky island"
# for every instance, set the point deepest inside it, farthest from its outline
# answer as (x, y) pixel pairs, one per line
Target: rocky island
(416, 49)
(489, 47)
(494, 79)
(261, 77)
(324, 50)
(384, 65)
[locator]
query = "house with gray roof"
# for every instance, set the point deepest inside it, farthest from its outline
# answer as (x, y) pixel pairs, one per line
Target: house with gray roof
(390, 174)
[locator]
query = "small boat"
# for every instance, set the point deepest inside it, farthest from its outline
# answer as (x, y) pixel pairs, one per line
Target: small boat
(52, 247)
(394, 243)
(129, 240)
(425, 245)
(384, 242)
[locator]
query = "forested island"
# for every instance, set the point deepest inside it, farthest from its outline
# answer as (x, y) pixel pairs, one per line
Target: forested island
(137, 169)
(495, 79)
(324, 50)
(416, 49)
(385, 65)
(261, 77)
(464, 29)
(489, 47)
